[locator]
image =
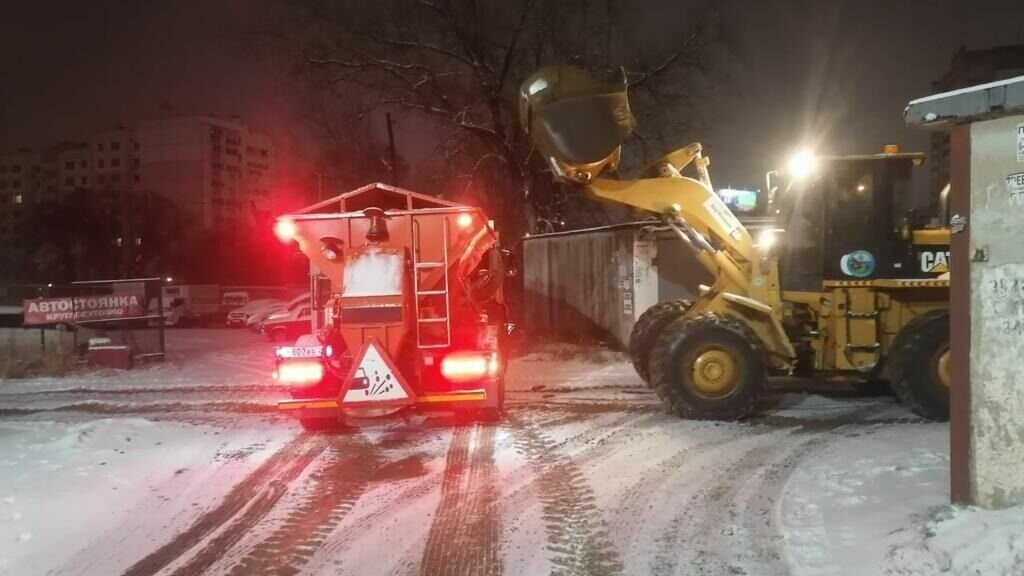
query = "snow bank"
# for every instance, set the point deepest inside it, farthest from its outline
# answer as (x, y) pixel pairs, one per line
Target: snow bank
(876, 502)
(961, 542)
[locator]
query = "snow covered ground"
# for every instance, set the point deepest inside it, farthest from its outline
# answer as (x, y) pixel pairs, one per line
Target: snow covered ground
(185, 468)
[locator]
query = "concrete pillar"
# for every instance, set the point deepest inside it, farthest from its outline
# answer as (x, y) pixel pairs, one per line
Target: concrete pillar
(987, 286)
(996, 223)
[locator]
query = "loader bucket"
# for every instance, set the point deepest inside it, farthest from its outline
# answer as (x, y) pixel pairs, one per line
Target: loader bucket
(574, 116)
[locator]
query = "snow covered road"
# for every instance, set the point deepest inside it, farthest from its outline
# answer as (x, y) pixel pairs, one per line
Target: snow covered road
(129, 474)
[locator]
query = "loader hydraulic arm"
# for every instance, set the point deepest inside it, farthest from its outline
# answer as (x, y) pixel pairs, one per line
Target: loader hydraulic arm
(578, 121)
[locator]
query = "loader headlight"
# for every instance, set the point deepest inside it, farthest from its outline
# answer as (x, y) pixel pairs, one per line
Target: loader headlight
(766, 239)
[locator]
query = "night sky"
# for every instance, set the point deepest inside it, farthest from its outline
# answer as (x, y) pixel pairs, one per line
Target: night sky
(833, 74)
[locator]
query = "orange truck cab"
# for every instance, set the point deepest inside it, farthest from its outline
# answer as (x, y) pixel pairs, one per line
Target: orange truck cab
(408, 308)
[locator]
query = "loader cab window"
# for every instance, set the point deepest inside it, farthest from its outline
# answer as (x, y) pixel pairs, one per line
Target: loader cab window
(846, 213)
(801, 213)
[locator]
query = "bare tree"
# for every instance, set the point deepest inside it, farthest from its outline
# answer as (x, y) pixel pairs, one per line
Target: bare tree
(459, 64)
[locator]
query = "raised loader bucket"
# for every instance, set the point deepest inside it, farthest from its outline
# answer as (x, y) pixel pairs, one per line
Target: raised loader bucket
(576, 118)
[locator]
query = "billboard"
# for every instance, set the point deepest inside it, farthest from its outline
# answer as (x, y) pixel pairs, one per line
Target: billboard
(83, 308)
(739, 201)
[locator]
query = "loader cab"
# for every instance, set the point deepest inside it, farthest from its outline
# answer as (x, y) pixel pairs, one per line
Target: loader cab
(848, 220)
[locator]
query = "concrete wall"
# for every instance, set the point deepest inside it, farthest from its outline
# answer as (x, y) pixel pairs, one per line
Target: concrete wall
(579, 285)
(596, 283)
(997, 314)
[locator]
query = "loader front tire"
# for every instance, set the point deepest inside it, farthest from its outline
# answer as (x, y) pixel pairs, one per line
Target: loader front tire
(919, 364)
(647, 329)
(708, 367)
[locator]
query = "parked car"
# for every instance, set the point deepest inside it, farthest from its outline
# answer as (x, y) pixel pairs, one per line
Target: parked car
(256, 319)
(238, 316)
(289, 309)
(289, 327)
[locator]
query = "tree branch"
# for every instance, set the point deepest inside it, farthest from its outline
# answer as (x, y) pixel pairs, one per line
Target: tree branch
(667, 63)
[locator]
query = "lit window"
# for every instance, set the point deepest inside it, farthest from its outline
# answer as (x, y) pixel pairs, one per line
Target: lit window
(18, 199)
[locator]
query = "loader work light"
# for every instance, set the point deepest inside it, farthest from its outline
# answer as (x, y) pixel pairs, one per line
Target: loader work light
(801, 165)
(766, 239)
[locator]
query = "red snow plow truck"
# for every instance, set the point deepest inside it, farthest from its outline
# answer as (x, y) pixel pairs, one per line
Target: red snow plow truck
(407, 309)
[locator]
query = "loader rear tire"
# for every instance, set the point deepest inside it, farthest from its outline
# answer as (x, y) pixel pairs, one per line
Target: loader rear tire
(919, 365)
(708, 367)
(647, 329)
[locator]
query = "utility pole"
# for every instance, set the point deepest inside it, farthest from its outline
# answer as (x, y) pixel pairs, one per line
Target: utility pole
(391, 151)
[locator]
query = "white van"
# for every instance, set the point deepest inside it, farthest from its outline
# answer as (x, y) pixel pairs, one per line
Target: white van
(188, 304)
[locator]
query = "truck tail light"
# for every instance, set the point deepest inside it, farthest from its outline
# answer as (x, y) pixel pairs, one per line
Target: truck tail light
(467, 366)
(299, 372)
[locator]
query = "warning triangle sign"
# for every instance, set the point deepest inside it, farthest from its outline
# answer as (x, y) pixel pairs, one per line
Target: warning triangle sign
(374, 379)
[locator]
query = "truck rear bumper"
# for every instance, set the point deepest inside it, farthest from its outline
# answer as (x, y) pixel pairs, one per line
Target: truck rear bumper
(329, 407)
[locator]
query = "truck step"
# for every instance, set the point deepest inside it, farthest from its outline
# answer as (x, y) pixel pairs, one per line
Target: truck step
(421, 265)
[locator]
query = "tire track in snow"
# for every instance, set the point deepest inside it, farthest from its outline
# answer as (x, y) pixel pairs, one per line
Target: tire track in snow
(109, 409)
(349, 467)
(636, 497)
(727, 527)
(756, 501)
(464, 539)
(578, 541)
(138, 390)
(423, 487)
(700, 538)
(241, 508)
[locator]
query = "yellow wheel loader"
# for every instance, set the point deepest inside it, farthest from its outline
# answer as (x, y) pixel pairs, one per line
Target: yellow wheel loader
(845, 285)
